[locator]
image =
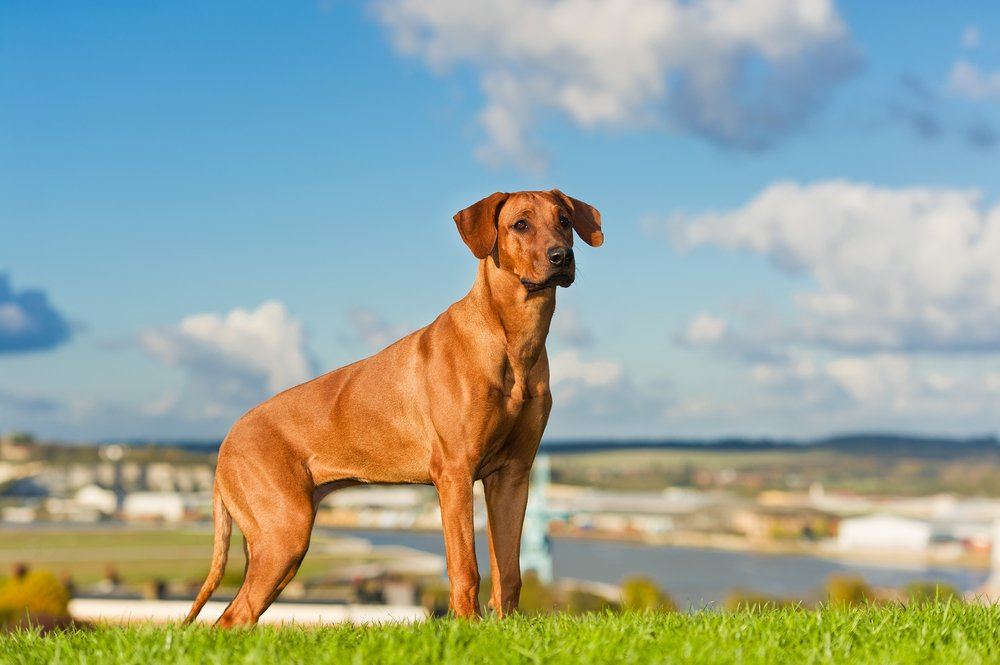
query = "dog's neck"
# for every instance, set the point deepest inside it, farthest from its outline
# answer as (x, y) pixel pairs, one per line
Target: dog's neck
(521, 318)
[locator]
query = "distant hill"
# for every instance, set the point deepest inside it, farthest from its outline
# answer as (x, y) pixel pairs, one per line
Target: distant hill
(861, 444)
(875, 464)
(886, 444)
(900, 445)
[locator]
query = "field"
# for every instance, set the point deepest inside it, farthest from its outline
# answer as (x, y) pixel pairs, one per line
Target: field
(141, 554)
(869, 470)
(931, 633)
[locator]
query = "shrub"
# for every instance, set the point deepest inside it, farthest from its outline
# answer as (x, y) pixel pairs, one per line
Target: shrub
(536, 596)
(931, 592)
(641, 593)
(33, 594)
(744, 599)
(848, 590)
(579, 601)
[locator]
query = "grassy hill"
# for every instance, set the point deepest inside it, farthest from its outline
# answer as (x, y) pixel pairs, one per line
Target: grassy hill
(875, 464)
(931, 633)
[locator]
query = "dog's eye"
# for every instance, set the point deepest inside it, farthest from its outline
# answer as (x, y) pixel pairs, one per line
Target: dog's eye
(521, 225)
(564, 222)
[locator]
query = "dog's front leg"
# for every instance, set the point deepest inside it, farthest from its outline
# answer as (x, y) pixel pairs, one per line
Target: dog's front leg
(455, 496)
(506, 498)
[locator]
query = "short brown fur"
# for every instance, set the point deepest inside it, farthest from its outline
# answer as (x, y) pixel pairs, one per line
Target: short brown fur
(463, 399)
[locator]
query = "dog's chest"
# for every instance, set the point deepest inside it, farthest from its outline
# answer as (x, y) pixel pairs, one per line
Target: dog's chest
(515, 427)
(524, 378)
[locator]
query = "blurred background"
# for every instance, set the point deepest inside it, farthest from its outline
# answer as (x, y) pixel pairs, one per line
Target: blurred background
(778, 380)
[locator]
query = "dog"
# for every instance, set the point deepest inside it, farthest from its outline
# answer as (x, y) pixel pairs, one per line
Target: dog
(464, 399)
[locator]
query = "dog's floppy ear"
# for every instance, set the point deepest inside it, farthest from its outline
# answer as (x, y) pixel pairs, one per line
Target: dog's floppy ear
(585, 217)
(478, 224)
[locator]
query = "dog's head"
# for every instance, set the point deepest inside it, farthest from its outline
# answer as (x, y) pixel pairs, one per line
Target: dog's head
(531, 234)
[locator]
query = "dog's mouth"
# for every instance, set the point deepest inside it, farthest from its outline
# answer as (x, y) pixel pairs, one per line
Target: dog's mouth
(562, 279)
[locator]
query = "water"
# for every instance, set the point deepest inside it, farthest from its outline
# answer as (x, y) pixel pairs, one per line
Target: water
(696, 576)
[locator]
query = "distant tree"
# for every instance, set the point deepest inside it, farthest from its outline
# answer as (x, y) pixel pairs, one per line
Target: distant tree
(642, 593)
(848, 590)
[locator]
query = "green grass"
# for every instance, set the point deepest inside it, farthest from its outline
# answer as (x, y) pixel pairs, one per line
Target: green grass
(932, 633)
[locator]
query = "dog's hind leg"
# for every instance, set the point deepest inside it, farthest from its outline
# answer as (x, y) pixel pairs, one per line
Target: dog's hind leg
(274, 558)
(276, 517)
(223, 525)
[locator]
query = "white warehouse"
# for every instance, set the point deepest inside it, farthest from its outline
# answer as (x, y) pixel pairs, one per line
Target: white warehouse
(165, 506)
(884, 532)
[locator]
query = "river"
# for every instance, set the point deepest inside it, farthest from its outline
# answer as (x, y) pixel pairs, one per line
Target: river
(695, 576)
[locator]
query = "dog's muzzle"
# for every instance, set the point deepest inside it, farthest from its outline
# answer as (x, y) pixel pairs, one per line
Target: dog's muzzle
(562, 279)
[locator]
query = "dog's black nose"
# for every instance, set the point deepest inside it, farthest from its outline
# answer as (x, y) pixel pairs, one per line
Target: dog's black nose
(559, 256)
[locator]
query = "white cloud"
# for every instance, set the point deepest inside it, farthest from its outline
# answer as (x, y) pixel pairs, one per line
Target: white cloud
(704, 329)
(940, 382)
(28, 321)
(971, 37)
(163, 405)
(595, 398)
(570, 329)
(894, 326)
(13, 319)
(969, 81)
(740, 72)
(567, 367)
(796, 384)
(893, 269)
(231, 361)
(813, 393)
(375, 331)
(856, 391)
(237, 358)
(871, 379)
(992, 382)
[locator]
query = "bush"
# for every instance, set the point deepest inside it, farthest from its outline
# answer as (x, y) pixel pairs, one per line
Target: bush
(33, 595)
(435, 600)
(643, 594)
(536, 596)
(931, 592)
(745, 599)
(848, 590)
(579, 601)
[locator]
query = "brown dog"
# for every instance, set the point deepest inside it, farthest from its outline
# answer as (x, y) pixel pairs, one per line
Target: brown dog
(464, 399)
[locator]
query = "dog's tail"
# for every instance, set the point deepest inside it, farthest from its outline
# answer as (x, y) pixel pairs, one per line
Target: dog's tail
(220, 553)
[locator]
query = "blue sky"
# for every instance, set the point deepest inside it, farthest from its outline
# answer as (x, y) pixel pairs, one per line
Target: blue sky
(201, 203)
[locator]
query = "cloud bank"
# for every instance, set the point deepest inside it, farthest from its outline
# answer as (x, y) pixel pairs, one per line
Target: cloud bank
(373, 329)
(968, 81)
(229, 362)
(895, 323)
(910, 269)
(238, 358)
(741, 73)
(28, 321)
